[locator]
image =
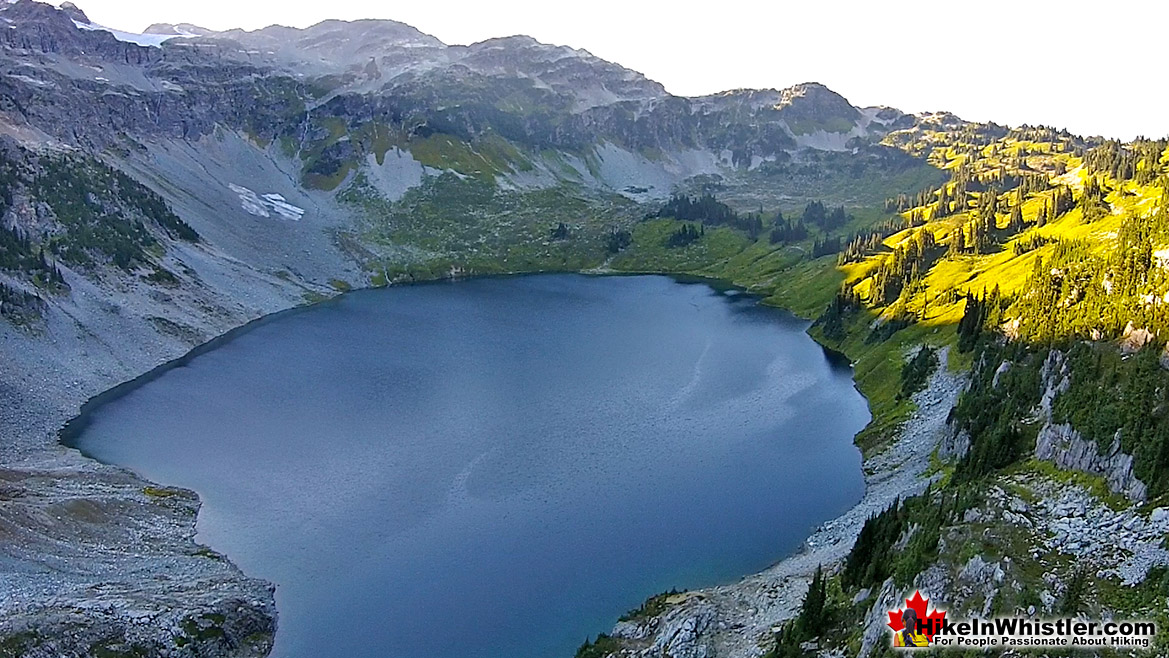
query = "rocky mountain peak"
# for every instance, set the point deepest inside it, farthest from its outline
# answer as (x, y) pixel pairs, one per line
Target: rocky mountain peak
(816, 104)
(65, 30)
(179, 29)
(74, 12)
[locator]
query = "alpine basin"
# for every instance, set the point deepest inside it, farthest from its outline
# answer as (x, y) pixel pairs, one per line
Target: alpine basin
(497, 467)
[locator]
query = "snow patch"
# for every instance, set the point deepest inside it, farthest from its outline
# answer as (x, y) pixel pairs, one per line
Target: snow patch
(148, 40)
(266, 205)
(32, 81)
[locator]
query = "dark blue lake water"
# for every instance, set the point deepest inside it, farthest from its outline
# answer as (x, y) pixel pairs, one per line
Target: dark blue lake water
(497, 467)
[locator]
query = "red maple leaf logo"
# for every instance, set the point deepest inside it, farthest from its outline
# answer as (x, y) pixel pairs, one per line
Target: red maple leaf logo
(919, 605)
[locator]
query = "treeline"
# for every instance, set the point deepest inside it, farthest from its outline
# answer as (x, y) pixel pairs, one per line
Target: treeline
(967, 190)
(1080, 300)
(104, 215)
(1138, 161)
(709, 211)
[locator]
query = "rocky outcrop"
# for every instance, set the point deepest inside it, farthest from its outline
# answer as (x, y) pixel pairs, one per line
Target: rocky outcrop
(93, 558)
(1058, 526)
(1062, 445)
(955, 445)
(681, 632)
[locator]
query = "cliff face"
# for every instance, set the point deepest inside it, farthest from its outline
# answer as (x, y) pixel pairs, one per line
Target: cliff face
(1062, 445)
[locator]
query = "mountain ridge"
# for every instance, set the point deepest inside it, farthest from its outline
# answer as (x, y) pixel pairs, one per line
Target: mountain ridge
(156, 194)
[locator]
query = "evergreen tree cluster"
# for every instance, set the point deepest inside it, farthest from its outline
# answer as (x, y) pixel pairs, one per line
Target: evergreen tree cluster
(916, 371)
(1077, 293)
(617, 240)
(18, 305)
(1109, 396)
(861, 245)
(685, 235)
(884, 330)
(875, 556)
(1093, 202)
(559, 232)
(906, 265)
(1005, 387)
(1139, 161)
(815, 617)
(18, 254)
(816, 214)
(709, 211)
(787, 230)
(900, 204)
(103, 214)
(1030, 243)
(705, 208)
(981, 313)
(832, 320)
(825, 245)
(1060, 139)
(1077, 299)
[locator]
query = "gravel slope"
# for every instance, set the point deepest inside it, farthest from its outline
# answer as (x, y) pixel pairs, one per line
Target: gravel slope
(92, 556)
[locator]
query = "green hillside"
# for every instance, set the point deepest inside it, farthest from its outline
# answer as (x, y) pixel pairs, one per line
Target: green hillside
(1039, 241)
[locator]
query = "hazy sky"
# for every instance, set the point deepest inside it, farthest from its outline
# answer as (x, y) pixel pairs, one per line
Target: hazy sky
(1094, 68)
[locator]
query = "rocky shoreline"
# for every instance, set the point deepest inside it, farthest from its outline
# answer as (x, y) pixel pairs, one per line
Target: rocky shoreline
(740, 619)
(95, 560)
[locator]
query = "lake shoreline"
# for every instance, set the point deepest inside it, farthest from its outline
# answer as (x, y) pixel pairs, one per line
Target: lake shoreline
(793, 340)
(38, 463)
(739, 620)
(72, 427)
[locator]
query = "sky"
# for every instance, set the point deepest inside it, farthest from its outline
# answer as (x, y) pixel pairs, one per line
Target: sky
(1095, 68)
